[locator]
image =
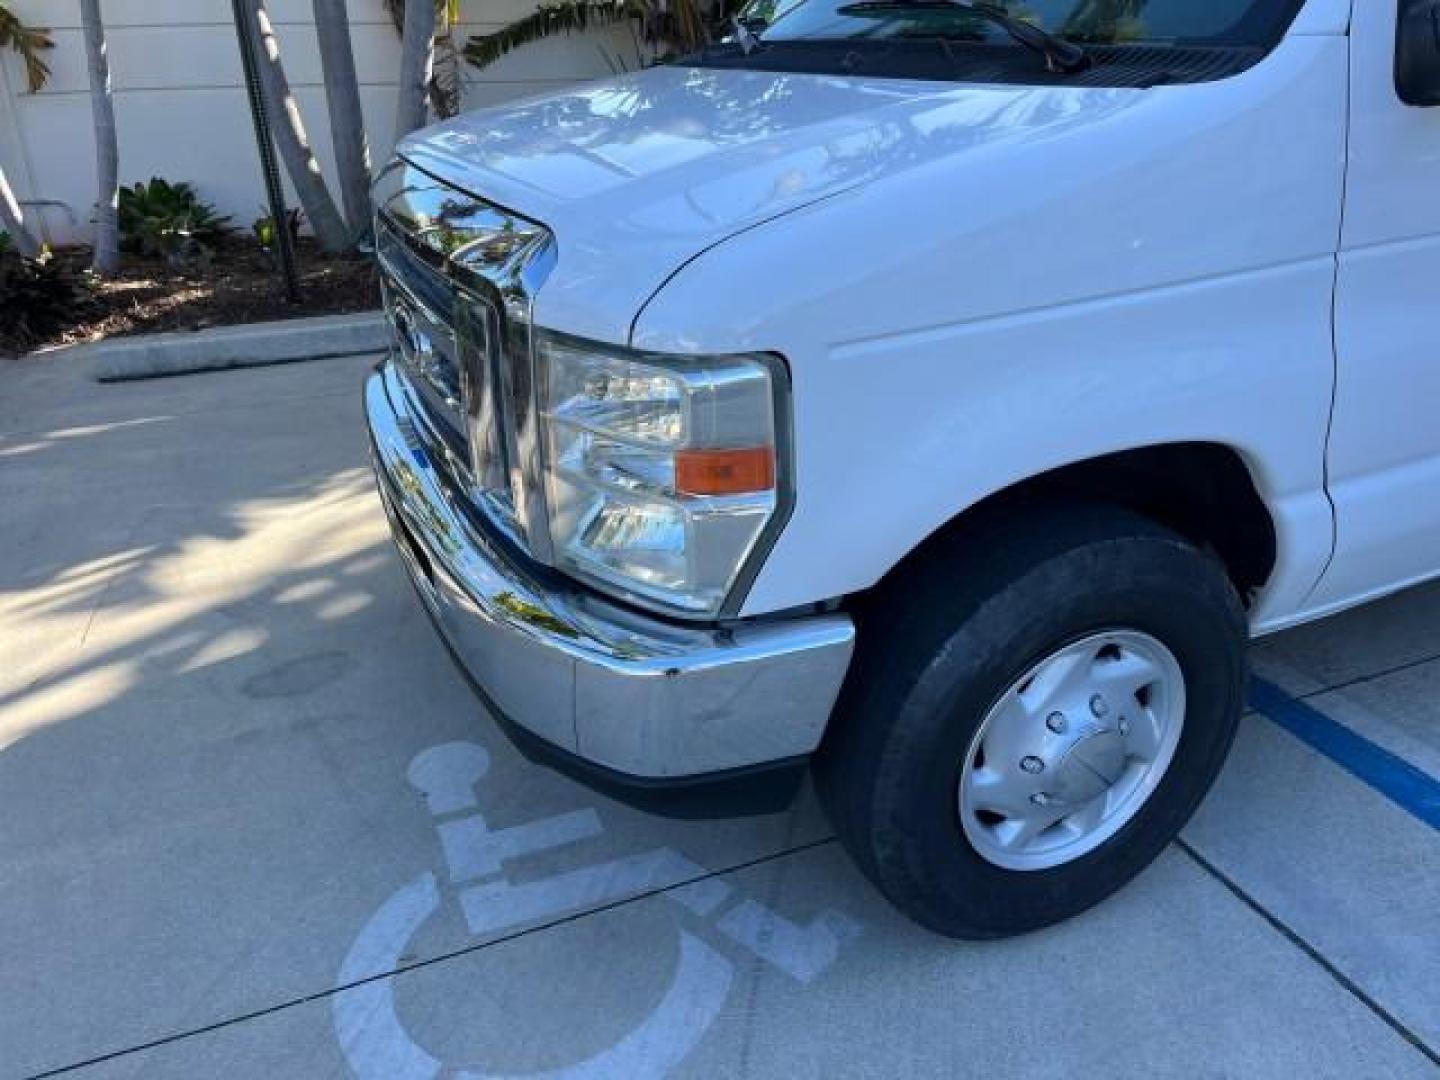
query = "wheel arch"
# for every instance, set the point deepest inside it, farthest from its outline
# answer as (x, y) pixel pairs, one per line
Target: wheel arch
(1204, 491)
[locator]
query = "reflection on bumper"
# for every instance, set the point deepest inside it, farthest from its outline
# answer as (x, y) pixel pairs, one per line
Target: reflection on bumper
(626, 692)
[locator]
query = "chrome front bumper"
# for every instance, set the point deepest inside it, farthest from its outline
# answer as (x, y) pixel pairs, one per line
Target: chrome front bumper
(627, 693)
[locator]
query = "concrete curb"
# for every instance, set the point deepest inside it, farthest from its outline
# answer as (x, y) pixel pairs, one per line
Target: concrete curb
(253, 345)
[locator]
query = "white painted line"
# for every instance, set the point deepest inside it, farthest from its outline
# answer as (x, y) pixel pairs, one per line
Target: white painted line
(802, 952)
(371, 1036)
(447, 774)
(377, 1046)
(473, 850)
(704, 897)
(499, 905)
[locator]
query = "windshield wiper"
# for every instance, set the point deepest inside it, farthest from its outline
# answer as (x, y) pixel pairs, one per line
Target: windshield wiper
(1061, 56)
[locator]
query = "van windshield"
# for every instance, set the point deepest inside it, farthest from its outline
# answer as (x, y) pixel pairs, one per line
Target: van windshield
(1186, 40)
(1102, 22)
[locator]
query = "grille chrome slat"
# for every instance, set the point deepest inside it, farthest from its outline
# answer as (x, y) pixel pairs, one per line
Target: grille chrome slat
(459, 276)
(477, 325)
(404, 264)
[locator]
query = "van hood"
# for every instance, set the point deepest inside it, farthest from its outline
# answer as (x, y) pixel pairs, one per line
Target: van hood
(639, 174)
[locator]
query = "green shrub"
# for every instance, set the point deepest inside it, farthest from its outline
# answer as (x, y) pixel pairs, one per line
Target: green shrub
(264, 230)
(38, 297)
(168, 220)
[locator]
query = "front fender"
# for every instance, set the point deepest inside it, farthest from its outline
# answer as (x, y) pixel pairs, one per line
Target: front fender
(1163, 275)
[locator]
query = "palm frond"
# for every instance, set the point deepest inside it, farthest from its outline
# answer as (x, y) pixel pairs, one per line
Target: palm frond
(29, 42)
(564, 17)
(671, 26)
(690, 29)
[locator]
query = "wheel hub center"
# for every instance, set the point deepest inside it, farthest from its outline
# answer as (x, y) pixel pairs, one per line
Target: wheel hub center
(1089, 765)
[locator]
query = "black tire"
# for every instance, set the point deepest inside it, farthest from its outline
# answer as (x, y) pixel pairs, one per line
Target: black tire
(943, 639)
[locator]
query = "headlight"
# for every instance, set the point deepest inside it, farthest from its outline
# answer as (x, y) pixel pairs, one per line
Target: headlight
(662, 472)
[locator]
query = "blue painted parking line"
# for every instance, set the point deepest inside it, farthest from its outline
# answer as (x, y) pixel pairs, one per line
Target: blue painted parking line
(1413, 790)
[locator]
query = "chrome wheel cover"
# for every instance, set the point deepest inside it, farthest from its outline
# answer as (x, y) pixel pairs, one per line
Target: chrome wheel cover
(1072, 750)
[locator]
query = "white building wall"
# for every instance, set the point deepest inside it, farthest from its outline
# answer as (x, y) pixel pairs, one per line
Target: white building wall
(180, 98)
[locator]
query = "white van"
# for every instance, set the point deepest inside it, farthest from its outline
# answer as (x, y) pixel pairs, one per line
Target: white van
(937, 395)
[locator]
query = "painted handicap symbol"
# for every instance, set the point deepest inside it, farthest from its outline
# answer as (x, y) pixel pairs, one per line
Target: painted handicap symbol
(374, 1040)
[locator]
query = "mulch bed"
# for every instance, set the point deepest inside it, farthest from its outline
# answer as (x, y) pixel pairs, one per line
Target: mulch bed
(240, 284)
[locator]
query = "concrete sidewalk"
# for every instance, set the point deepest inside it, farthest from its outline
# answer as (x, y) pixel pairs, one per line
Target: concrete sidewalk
(218, 849)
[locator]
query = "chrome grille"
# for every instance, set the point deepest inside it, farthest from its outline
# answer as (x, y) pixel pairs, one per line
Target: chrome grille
(420, 307)
(458, 275)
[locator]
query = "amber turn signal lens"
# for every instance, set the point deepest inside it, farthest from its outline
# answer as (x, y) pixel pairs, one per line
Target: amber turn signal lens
(725, 472)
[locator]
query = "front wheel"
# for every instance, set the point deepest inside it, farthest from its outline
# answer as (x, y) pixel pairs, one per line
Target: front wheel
(1038, 705)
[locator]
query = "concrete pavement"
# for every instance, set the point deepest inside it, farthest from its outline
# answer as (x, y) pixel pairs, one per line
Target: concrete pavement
(254, 824)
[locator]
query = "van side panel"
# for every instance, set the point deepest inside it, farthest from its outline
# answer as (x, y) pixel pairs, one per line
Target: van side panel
(1385, 441)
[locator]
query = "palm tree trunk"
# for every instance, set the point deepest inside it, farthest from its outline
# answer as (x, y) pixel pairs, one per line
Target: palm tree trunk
(347, 122)
(447, 89)
(417, 63)
(288, 131)
(12, 221)
(106, 258)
